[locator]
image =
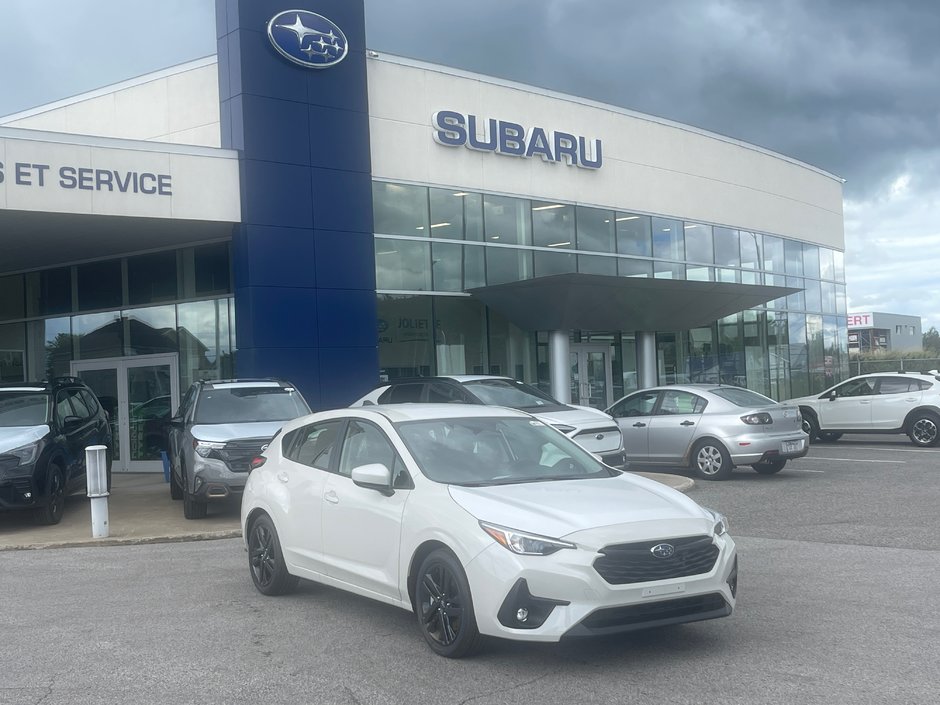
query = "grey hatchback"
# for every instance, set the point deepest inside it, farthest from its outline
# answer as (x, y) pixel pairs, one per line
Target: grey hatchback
(709, 427)
(221, 426)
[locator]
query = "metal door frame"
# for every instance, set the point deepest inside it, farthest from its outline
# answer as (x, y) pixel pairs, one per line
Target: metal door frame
(581, 350)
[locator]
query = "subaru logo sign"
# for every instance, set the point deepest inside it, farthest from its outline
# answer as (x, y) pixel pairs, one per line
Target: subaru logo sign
(307, 38)
(663, 550)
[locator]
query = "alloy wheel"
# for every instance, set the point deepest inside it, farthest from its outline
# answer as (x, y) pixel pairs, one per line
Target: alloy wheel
(709, 460)
(441, 604)
(924, 431)
(262, 554)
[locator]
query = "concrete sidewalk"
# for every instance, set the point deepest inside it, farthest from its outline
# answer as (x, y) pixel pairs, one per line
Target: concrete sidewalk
(140, 511)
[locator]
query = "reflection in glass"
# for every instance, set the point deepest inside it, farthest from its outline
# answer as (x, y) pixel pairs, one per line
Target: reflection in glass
(446, 213)
(727, 247)
(596, 231)
(750, 249)
(634, 235)
(696, 272)
(668, 239)
(402, 265)
(796, 301)
(151, 330)
(698, 243)
(151, 278)
(838, 260)
(204, 341)
(548, 263)
(49, 292)
(552, 225)
(773, 254)
(98, 335)
(511, 349)
(447, 266)
(597, 265)
(104, 384)
(13, 352)
(148, 398)
(400, 209)
(507, 221)
(459, 335)
(504, 264)
(798, 354)
(778, 349)
(12, 298)
(811, 261)
(793, 254)
(668, 270)
(406, 346)
(812, 295)
(826, 264)
(99, 285)
(627, 267)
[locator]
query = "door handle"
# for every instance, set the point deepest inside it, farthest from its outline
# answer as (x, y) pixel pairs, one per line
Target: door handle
(282, 476)
(331, 497)
(865, 401)
(687, 423)
(639, 424)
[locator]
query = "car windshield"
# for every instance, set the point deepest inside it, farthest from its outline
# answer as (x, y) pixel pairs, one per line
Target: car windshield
(249, 404)
(479, 452)
(511, 393)
(742, 397)
(23, 409)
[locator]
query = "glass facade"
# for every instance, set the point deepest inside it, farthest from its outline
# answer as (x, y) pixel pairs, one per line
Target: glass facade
(428, 325)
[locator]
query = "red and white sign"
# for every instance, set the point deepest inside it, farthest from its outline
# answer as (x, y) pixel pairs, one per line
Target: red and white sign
(861, 320)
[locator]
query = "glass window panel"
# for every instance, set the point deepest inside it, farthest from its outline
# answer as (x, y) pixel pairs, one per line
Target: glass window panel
(12, 298)
(702, 359)
(811, 264)
(668, 270)
(474, 267)
(779, 355)
(596, 232)
(472, 215)
(400, 209)
(727, 247)
(548, 263)
(597, 265)
(699, 243)
(697, 273)
(751, 277)
(506, 264)
(151, 330)
(203, 331)
(212, 269)
(627, 267)
(552, 224)
(49, 347)
(49, 292)
(796, 301)
(732, 276)
(446, 213)
(402, 264)
(511, 349)
(507, 221)
(98, 335)
(151, 278)
(798, 352)
(773, 254)
(817, 353)
(668, 239)
(750, 249)
(793, 253)
(406, 346)
(828, 293)
(447, 267)
(812, 295)
(459, 335)
(731, 365)
(838, 260)
(13, 352)
(634, 235)
(826, 264)
(840, 299)
(99, 285)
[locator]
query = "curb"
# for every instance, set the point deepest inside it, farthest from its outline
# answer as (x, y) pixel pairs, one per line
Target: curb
(128, 541)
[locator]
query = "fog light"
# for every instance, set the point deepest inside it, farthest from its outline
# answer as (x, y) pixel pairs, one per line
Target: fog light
(523, 614)
(28, 495)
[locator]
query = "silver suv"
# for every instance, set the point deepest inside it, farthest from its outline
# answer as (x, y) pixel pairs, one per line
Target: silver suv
(221, 426)
(881, 402)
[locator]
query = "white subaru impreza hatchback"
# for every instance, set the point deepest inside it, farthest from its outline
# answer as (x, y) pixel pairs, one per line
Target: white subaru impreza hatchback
(482, 521)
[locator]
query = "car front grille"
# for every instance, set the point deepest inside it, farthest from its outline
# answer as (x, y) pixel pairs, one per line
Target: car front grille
(238, 454)
(680, 610)
(635, 563)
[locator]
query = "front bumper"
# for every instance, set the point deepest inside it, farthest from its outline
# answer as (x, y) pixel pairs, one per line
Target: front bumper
(213, 481)
(572, 599)
(18, 488)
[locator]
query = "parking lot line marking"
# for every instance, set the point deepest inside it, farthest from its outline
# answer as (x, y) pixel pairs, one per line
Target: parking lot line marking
(804, 470)
(853, 460)
(896, 450)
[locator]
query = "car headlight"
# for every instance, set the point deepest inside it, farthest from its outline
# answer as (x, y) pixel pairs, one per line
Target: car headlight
(522, 543)
(721, 521)
(205, 448)
(26, 454)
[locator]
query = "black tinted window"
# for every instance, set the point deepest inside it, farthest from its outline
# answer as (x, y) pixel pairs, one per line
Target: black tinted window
(23, 408)
(402, 394)
(640, 404)
(312, 445)
(443, 393)
(895, 385)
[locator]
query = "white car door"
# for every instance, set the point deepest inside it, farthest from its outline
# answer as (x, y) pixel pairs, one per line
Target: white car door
(362, 527)
(633, 415)
(307, 455)
(896, 397)
(849, 405)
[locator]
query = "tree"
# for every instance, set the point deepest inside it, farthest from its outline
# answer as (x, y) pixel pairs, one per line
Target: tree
(932, 340)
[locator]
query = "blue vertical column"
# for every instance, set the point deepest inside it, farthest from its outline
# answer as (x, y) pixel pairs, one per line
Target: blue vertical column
(303, 255)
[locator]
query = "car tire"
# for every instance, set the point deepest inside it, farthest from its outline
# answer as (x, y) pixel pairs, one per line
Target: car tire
(770, 466)
(51, 512)
(176, 490)
(444, 606)
(266, 560)
(828, 436)
(810, 425)
(924, 429)
(710, 461)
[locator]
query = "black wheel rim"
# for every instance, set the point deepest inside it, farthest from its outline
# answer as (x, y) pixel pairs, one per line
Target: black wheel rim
(262, 553)
(441, 604)
(56, 495)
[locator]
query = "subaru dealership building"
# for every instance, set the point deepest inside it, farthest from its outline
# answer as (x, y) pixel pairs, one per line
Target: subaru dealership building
(301, 207)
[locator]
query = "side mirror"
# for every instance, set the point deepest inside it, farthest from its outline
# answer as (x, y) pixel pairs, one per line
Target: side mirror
(174, 422)
(832, 396)
(374, 476)
(71, 422)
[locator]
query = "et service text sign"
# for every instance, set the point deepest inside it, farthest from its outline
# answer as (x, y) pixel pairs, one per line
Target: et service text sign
(69, 177)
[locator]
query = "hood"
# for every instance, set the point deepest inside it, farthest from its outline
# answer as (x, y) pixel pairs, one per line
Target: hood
(222, 432)
(598, 507)
(15, 436)
(578, 416)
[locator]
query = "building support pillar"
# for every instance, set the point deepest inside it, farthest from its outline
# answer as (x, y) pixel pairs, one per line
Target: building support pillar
(646, 359)
(559, 365)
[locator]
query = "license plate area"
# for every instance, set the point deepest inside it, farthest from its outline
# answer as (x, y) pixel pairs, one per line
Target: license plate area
(791, 446)
(663, 590)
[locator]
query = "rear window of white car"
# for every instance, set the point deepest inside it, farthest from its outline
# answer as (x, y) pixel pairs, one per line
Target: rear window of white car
(741, 397)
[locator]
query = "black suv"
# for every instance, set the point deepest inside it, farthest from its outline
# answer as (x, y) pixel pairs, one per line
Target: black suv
(221, 426)
(44, 430)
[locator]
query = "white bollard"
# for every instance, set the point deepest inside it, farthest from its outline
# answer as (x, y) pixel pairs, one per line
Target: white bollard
(96, 477)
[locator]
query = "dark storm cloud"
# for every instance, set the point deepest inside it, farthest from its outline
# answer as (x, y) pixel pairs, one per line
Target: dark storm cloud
(850, 86)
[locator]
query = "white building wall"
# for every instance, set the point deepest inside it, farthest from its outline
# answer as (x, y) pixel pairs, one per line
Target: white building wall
(650, 165)
(179, 105)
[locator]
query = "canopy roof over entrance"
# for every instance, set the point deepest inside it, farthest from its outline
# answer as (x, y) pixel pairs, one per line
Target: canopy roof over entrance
(599, 302)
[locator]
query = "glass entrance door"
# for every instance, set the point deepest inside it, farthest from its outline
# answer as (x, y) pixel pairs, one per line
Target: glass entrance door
(139, 393)
(591, 380)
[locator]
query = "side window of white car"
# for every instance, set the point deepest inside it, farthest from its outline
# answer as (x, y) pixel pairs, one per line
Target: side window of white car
(856, 388)
(313, 445)
(366, 444)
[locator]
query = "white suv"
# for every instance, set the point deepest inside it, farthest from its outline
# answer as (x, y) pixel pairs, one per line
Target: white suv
(882, 402)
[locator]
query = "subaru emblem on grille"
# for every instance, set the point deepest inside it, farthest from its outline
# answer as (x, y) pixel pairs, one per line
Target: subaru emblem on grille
(663, 550)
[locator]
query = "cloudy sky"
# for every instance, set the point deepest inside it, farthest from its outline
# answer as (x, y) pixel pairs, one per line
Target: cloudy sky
(850, 86)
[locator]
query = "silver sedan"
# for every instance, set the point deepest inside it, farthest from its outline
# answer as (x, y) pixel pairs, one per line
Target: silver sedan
(709, 427)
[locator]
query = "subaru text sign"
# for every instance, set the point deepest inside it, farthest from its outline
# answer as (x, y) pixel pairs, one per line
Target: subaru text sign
(453, 129)
(307, 38)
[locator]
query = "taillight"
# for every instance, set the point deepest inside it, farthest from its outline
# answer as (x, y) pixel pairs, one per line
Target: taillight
(761, 419)
(257, 462)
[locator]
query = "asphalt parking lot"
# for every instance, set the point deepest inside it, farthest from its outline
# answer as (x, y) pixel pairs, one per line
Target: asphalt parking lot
(839, 558)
